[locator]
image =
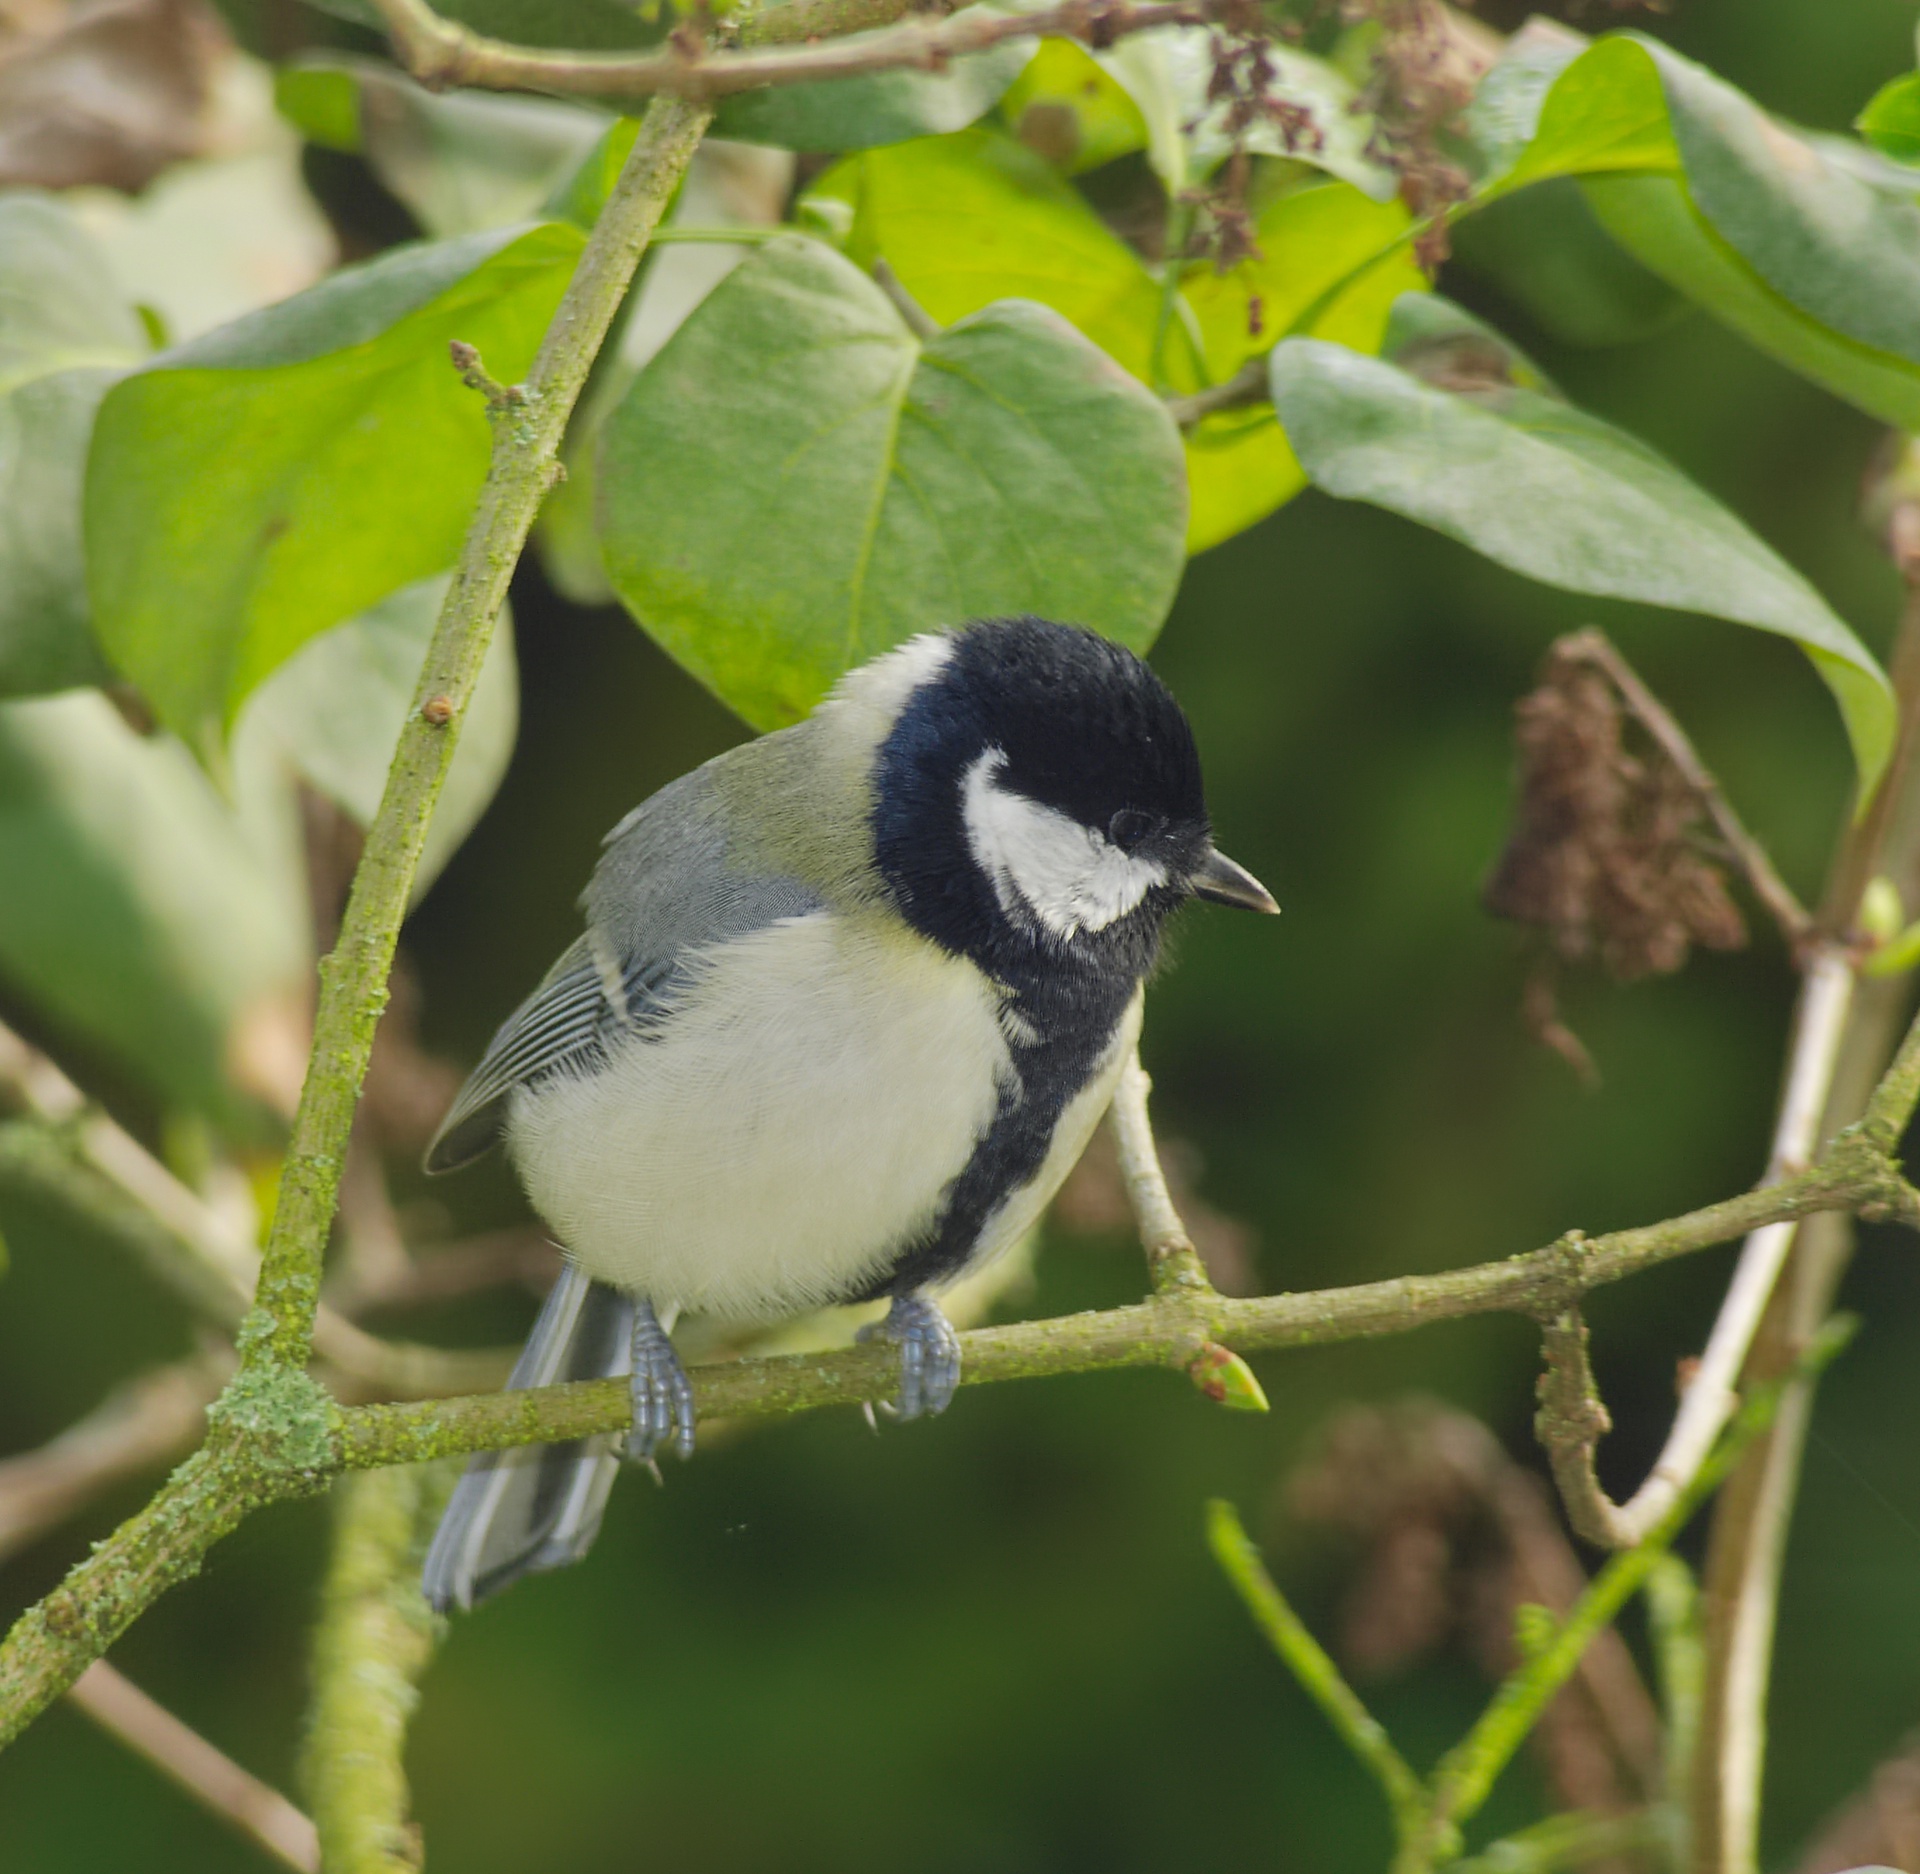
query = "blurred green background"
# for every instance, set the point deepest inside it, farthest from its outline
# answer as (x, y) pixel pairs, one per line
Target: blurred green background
(996, 1642)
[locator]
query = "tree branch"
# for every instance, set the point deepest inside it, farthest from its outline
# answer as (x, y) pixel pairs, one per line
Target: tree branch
(440, 53)
(272, 1431)
(353, 979)
(1162, 1332)
(372, 1644)
(1572, 1417)
(1748, 1541)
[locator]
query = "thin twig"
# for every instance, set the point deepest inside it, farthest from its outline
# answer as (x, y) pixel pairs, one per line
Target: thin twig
(1246, 386)
(1748, 1542)
(439, 53)
(271, 1432)
(204, 1771)
(1465, 1776)
(918, 320)
(1311, 1665)
(1573, 1417)
(138, 1426)
(1172, 1261)
(1774, 893)
(103, 1175)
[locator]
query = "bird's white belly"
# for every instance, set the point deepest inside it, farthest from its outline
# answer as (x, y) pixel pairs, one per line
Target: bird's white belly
(794, 1120)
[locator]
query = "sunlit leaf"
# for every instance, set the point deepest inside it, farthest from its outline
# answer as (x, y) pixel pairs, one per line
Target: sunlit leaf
(461, 161)
(861, 484)
(1009, 227)
(878, 108)
(1070, 111)
(138, 918)
(1332, 262)
(333, 713)
(1891, 121)
(1561, 496)
(66, 333)
(285, 473)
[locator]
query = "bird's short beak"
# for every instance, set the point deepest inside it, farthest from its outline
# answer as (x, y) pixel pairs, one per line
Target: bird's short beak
(1217, 878)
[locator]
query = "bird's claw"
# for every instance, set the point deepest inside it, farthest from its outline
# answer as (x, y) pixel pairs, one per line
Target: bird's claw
(929, 1355)
(662, 1394)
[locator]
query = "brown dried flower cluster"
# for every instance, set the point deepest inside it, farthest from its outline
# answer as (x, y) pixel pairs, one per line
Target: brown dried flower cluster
(1605, 856)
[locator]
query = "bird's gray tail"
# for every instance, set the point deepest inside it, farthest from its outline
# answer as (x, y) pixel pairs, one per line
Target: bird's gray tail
(518, 1512)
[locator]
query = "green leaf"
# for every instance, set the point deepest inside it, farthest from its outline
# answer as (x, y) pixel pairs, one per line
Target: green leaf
(1331, 262)
(1168, 73)
(1009, 227)
(882, 107)
(138, 917)
(66, 332)
(860, 484)
(333, 712)
(1565, 498)
(462, 161)
(1070, 111)
(1891, 121)
(250, 490)
(1812, 256)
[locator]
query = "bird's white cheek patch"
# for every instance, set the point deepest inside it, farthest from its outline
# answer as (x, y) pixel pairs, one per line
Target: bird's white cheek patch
(1045, 864)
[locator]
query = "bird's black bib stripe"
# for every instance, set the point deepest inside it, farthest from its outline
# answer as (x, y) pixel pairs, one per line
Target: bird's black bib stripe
(1022, 686)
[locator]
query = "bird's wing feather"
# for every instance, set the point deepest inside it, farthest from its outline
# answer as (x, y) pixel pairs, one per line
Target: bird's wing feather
(663, 889)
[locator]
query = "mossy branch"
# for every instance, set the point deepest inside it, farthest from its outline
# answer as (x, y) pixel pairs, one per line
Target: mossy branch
(373, 1642)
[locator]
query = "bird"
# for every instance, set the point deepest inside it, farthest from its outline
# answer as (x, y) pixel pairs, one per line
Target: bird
(850, 1000)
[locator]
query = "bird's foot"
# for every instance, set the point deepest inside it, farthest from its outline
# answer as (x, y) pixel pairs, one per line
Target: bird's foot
(662, 1393)
(929, 1355)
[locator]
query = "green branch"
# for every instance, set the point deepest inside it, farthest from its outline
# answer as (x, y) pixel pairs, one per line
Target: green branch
(1428, 1813)
(1172, 1330)
(353, 980)
(272, 1431)
(373, 1642)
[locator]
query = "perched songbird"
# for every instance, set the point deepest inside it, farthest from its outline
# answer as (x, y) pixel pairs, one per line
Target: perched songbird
(850, 1002)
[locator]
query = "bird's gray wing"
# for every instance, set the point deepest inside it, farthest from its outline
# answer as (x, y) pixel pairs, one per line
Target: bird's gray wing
(664, 888)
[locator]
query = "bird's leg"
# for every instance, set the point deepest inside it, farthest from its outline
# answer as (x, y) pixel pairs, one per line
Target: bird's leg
(929, 1355)
(662, 1395)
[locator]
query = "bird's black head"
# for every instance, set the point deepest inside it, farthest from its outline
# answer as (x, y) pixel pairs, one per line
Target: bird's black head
(1039, 800)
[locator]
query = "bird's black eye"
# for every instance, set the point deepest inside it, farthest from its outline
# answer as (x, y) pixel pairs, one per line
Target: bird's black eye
(1129, 827)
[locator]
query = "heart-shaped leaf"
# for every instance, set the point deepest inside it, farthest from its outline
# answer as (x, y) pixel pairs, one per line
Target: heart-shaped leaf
(799, 482)
(1557, 494)
(278, 477)
(1067, 109)
(1010, 227)
(66, 333)
(879, 108)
